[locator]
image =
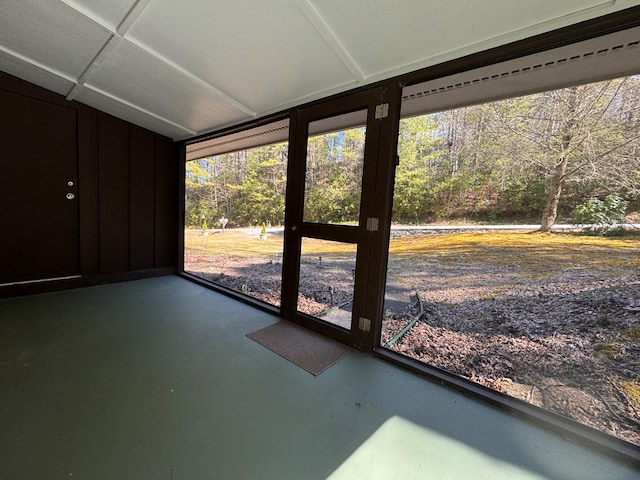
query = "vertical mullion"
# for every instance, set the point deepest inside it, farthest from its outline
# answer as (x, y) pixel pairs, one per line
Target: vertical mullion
(387, 151)
(293, 217)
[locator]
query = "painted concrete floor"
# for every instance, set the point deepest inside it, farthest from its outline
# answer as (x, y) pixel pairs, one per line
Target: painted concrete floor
(155, 379)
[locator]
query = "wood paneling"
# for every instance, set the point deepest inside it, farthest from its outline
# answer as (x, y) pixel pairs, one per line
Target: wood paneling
(166, 251)
(113, 164)
(89, 196)
(126, 181)
(142, 179)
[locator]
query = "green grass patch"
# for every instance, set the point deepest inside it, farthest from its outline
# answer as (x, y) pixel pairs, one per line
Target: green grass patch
(534, 252)
(240, 242)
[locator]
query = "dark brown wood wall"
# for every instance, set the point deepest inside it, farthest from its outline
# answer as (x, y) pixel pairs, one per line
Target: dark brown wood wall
(127, 191)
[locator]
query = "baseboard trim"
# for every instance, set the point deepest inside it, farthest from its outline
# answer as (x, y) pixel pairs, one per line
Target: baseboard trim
(20, 289)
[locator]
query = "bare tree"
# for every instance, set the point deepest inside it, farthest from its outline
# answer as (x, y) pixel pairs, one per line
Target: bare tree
(579, 134)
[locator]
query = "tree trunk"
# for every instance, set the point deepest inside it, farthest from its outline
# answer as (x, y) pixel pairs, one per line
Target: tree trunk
(556, 183)
(550, 211)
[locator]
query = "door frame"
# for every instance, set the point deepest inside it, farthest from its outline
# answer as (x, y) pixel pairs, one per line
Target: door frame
(370, 264)
(52, 199)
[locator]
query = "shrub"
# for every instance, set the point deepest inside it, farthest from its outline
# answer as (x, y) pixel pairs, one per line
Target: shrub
(601, 217)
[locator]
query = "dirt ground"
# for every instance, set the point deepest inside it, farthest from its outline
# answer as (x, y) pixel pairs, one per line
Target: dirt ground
(570, 345)
(567, 340)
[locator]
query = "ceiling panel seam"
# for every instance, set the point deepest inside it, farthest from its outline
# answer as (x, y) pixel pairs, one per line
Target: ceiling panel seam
(119, 34)
(111, 43)
(36, 63)
(129, 19)
(502, 39)
(94, 65)
(138, 108)
(191, 76)
(325, 31)
(296, 102)
(132, 16)
(101, 22)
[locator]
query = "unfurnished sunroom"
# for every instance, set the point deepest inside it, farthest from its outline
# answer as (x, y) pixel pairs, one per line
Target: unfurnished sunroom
(375, 181)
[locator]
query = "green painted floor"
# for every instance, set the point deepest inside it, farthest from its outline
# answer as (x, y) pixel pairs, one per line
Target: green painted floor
(155, 379)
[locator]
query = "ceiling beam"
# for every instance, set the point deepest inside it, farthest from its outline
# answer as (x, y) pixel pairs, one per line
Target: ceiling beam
(331, 38)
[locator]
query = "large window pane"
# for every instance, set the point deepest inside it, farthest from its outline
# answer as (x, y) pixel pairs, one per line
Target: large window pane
(234, 212)
(327, 280)
(509, 263)
(333, 179)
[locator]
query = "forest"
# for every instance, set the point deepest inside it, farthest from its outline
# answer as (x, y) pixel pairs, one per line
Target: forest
(534, 159)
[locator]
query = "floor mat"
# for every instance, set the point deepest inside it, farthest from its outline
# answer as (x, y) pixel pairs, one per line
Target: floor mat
(300, 346)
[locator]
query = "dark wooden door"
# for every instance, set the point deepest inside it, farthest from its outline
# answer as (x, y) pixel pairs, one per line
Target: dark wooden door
(38, 190)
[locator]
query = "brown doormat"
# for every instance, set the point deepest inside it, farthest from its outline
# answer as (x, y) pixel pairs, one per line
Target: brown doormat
(300, 346)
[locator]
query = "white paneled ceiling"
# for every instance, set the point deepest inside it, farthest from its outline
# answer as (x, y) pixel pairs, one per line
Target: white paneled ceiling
(186, 67)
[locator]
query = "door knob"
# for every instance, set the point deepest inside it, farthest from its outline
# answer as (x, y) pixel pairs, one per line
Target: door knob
(70, 196)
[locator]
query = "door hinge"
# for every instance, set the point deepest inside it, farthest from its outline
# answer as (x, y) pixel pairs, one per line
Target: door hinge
(372, 224)
(382, 111)
(364, 324)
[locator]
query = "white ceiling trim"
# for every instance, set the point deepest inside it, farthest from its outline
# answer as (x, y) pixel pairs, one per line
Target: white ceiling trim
(110, 45)
(121, 28)
(101, 22)
(182, 71)
(94, 65)
(129, 21)
(138, 108)
(296, 102)
(330, 38)
(36, 64)
(132, 16)
(121, 33)
(502, 39)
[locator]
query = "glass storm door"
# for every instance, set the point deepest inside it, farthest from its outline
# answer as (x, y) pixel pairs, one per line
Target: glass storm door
(331, 208)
